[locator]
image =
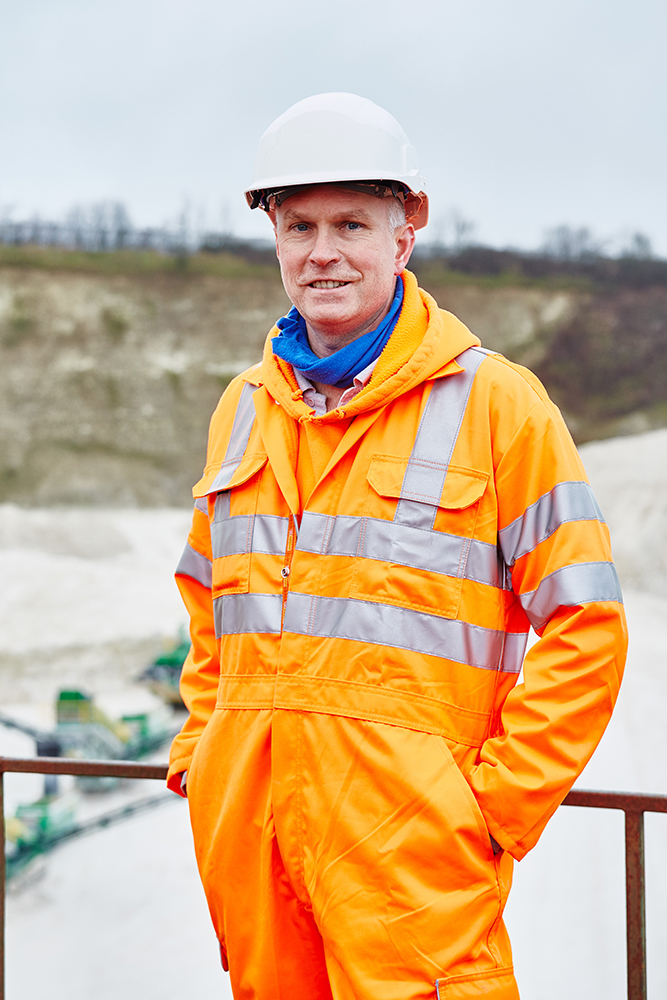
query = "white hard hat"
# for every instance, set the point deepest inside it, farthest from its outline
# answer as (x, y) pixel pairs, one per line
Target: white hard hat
(333, 138)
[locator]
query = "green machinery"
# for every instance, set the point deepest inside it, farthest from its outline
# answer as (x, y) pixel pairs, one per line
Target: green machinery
(81, 725)
(164, 673)
(82, 730)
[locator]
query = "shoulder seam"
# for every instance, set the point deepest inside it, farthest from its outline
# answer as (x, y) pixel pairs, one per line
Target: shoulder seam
(517, 370)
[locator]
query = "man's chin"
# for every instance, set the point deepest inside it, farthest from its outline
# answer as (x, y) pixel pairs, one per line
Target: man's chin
(342, 299)
(330, 316)
(342, 327)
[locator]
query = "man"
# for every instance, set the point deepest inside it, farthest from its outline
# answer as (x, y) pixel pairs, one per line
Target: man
(385, 510)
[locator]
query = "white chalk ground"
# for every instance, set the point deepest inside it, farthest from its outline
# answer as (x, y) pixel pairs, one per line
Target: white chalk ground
(121, 914)
(86, 596)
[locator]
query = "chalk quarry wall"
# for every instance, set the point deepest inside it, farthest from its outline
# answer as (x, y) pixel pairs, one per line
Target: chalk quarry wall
(107, 383)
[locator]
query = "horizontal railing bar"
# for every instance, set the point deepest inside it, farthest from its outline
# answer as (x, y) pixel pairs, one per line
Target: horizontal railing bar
(627, 801)
(91, 768)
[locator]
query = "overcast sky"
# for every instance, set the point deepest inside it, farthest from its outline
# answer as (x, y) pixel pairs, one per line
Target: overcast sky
(525, 113)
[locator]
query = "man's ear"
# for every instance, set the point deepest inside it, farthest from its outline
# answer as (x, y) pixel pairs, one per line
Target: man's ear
(405, 242)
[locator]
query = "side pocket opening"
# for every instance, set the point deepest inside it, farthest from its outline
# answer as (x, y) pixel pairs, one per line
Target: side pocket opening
(498, 983)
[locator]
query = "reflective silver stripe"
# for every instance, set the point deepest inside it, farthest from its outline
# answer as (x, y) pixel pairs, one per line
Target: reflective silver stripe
(242, 533)
(571, 501)
(402, 544)
(231, 536)
(439, 427)
(238, 441)
(195, 565)
(485, 564)
(243, 421)
(403, 628)
(581, 583)
(264, 533)
(201, 505)
(236, 614)
(223, 478)
(269, 534)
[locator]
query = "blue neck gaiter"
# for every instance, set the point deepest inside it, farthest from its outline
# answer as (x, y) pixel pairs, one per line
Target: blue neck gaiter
(340, 368)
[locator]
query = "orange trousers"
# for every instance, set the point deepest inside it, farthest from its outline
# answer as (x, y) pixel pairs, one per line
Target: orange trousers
(346, 860)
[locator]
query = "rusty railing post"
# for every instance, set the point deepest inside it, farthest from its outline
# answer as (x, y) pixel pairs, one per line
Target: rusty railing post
(635, 902)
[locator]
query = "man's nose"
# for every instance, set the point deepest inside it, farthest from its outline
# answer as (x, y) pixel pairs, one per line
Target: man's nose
(324, 249)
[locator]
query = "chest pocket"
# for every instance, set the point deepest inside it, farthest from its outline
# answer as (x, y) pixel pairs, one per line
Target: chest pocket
(233, 526)
(414, 553)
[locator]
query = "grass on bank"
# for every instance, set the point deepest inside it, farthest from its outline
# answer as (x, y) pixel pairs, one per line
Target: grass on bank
(135, 262)
(436, 274)
(431, 274)
(477, 267)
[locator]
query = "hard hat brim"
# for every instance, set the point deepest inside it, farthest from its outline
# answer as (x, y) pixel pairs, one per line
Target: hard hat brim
(415, 203)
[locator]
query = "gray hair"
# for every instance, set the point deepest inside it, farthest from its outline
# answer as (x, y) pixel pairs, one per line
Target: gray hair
(396, 214)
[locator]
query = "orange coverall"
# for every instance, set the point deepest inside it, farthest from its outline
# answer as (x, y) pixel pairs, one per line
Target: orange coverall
(361, 586)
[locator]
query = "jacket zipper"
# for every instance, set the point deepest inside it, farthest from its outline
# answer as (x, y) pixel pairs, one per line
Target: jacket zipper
(287, 567)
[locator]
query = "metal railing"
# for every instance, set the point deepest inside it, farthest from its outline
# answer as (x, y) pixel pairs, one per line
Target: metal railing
(59, 765)
(633, 805)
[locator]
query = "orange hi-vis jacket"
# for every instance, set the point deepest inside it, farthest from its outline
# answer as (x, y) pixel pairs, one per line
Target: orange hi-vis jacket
(361, 587)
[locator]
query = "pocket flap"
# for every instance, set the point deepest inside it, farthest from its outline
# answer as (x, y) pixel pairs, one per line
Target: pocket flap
(463, 487)
(226, 475)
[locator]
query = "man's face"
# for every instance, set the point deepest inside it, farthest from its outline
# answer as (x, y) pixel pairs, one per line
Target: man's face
(339, 257)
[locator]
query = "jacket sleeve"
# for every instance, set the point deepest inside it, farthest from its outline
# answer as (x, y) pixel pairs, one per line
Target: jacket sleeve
(201, 670)
(556, 544)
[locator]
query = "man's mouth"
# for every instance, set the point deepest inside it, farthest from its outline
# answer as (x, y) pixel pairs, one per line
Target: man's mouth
(328, 284)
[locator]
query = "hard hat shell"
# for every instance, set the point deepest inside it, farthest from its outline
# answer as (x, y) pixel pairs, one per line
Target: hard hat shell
(338, 137)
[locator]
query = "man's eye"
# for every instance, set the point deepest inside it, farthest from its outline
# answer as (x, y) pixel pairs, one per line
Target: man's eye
(352, 226)
(301, 227)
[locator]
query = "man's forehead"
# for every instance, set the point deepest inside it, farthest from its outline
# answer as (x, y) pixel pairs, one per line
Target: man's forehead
(330, 200)
(353, 212)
